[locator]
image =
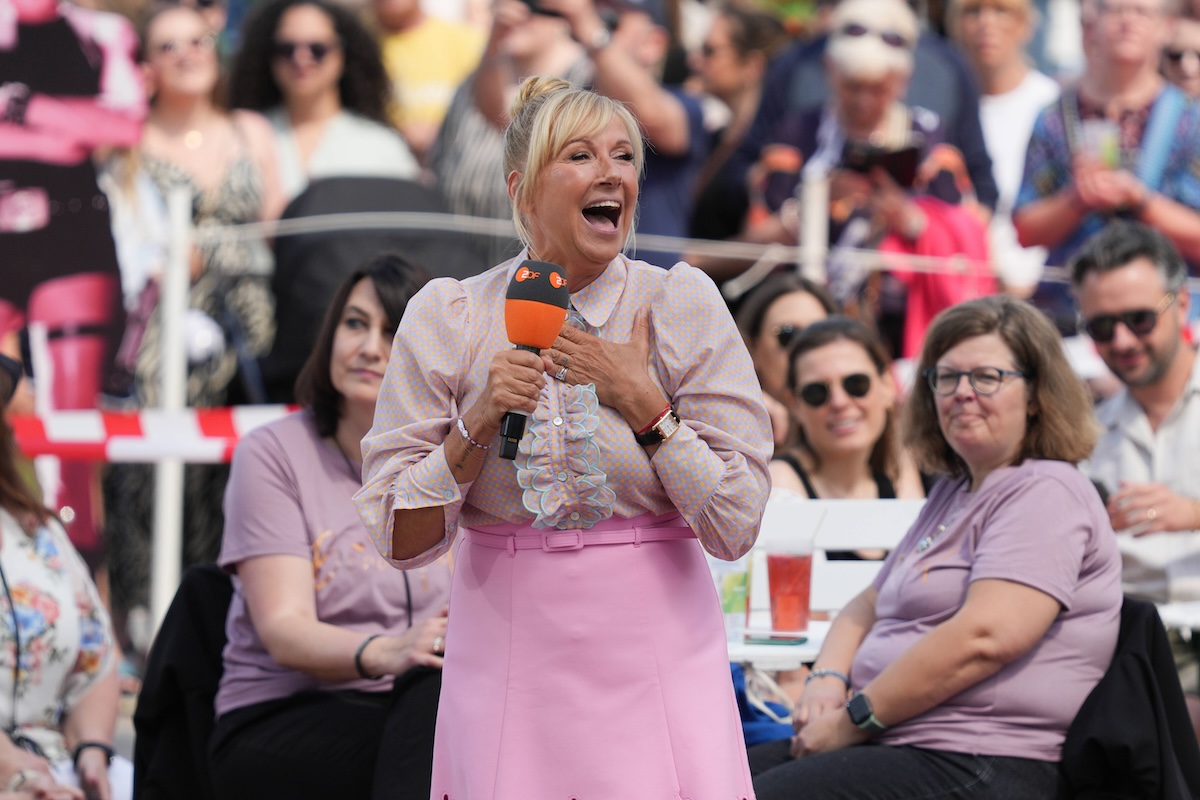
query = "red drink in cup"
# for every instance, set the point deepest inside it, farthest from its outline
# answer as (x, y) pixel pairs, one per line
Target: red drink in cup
(790, 577)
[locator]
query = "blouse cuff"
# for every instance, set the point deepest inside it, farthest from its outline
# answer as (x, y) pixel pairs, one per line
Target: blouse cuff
(429, 483)
(690, 472)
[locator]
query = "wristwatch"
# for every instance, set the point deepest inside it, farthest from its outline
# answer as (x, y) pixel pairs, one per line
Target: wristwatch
(862, 715)
(599, 40)
(660, 431)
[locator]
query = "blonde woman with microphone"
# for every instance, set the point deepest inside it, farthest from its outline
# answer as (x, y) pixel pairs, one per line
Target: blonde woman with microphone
(586, 655)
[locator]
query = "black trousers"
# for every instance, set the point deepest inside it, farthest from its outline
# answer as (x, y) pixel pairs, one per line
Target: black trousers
(883, 772)
(321, 745)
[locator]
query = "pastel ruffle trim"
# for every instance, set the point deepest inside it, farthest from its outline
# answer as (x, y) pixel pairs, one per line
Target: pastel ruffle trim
(585, 492)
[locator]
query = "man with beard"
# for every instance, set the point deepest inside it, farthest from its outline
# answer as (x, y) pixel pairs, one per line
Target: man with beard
(1130, 285)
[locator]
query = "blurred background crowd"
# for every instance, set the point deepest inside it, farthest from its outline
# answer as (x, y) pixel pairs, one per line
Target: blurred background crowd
(968, 147)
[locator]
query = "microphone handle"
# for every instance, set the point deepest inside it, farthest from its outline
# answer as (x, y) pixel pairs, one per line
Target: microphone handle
(512, 425)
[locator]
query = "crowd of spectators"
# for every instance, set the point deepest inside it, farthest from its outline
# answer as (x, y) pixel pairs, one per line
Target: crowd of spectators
(959, 131)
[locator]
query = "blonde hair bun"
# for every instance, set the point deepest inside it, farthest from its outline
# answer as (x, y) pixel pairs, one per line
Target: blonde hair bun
(533, 88)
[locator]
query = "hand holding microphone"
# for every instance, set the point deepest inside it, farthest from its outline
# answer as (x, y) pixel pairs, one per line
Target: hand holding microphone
(535, 308)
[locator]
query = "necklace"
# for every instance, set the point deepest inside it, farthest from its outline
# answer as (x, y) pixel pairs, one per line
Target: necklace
(956, 508)
(193, 139)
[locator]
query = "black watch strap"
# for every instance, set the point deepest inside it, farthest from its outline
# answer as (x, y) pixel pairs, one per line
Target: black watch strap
(862, 715)
(660, 431)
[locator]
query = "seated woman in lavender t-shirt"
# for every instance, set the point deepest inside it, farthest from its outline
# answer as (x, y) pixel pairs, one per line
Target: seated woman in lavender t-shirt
(333, 668)
(989, 624)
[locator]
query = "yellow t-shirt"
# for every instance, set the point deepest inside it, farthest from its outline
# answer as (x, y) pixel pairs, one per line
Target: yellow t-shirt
(426, 64)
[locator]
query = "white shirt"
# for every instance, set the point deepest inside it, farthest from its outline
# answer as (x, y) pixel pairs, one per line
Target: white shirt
(350, 145)
(1160, 567)
(1007, 121)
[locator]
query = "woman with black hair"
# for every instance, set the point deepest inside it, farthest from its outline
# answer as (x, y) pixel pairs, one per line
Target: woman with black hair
(333, 668)
(315, 72)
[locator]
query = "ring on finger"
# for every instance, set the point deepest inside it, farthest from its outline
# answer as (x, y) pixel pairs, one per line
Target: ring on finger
(1152, 515)
(561, 375)
(439, 645)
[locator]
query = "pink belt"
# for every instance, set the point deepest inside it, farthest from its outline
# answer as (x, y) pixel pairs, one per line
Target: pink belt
(658, 529)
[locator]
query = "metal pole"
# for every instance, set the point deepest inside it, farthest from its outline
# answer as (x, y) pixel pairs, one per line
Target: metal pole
(814, 225)
(167, 550)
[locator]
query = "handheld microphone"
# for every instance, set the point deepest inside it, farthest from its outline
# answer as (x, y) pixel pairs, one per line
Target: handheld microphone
(535, 308)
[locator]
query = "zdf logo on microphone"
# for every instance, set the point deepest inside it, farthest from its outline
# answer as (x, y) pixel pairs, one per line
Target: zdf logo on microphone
(557, 281)
(526, 274)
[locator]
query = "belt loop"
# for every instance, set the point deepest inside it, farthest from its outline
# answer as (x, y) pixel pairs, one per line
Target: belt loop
(510, 545)
(637, 536)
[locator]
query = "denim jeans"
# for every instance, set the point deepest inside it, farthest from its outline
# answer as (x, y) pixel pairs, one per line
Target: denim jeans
(882, 772)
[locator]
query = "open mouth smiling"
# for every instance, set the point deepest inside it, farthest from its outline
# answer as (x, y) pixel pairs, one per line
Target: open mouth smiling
(604, 215)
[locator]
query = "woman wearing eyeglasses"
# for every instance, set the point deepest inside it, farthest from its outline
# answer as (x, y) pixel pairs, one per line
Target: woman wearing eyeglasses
(316, 73)
(958, 671)
(893, 183)
(843, 396)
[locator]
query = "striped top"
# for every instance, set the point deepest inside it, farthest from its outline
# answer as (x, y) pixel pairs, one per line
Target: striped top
(578, 462)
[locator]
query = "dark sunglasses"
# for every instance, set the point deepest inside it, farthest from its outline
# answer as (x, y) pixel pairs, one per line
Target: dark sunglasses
(1176, 56)
(1140, 322)
(316, 50)
(890, 38)
(709, 50)
(787, 333)
(816, 394)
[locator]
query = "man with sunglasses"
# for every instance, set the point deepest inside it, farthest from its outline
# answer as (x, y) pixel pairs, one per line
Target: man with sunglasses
(1130, 286)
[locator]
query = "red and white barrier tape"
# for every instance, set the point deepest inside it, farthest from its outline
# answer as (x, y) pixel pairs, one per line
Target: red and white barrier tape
(194, 435)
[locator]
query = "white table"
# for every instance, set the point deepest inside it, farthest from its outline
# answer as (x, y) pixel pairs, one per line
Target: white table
(782, 656)
(1184, 615)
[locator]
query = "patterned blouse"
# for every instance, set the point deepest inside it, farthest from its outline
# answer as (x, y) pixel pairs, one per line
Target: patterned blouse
(64, 641)
(578, 463)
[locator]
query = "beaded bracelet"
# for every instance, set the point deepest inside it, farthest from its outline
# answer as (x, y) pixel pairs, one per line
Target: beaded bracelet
(358, 654)
(831, 673)
(462, 429)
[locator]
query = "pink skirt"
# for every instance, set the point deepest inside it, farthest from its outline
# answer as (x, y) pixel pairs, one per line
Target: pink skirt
(597, 672)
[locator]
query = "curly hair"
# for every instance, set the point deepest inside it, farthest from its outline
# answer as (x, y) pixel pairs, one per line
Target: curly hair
(364, 87)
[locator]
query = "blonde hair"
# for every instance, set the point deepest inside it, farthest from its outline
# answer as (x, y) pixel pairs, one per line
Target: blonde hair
(546, 115)
(869, 56)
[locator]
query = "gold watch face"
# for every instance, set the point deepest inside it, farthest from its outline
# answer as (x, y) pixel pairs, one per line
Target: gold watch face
(667, 426)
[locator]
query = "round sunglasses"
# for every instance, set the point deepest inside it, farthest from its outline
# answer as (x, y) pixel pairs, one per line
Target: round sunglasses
(1140, 322)
(787, 333)
(816, 394)
(890, 38)
(286, 51)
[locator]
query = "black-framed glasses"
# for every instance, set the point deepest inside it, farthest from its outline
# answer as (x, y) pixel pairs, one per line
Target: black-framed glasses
(816, 394)
(890, 38)
(1140, 322)
(787, 333)
(317, 51)
(984, 380)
